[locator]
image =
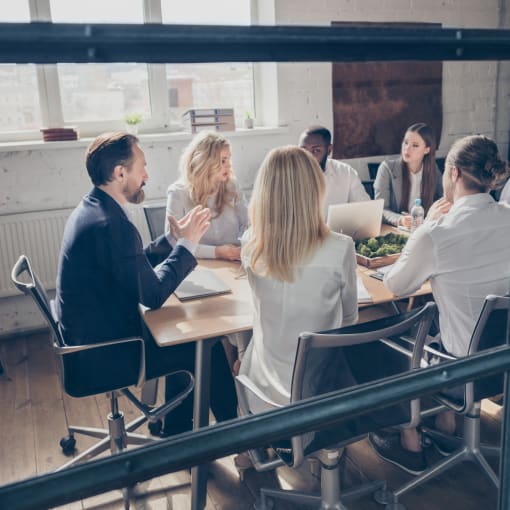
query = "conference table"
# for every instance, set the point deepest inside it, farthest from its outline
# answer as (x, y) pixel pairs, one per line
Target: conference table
(202, 320)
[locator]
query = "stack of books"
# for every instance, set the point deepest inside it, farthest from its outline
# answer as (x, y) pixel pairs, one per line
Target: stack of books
(209, 119)
(59, 134)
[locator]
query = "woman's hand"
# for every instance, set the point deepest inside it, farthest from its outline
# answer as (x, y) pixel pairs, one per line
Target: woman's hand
(405, 221)
(192, 226)
(228, 252)
(438, 208)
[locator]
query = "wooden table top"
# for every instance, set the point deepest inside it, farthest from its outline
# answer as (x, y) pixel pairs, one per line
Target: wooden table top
(179, 322)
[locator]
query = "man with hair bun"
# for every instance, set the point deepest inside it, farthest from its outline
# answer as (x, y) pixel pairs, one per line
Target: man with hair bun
(463, 248)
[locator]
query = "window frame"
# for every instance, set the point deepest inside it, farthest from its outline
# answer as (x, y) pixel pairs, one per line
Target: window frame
(50, 94)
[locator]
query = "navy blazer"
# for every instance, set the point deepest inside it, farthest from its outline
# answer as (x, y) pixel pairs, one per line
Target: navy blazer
(104, 272)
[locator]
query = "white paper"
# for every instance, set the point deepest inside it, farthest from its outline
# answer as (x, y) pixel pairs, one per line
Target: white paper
(363, 295)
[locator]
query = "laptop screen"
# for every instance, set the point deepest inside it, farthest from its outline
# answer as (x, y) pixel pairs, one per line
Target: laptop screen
(358, 220)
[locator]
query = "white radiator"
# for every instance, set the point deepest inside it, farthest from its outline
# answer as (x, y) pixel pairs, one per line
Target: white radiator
(39, 235)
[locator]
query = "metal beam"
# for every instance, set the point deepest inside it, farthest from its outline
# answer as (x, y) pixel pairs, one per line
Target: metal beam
(213, 442)
(44, 43)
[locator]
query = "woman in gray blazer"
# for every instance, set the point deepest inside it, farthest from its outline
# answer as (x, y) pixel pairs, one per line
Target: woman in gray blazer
(413, 175)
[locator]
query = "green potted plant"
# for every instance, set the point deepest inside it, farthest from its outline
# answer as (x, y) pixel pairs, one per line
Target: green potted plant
(132, 121)
(248, 121)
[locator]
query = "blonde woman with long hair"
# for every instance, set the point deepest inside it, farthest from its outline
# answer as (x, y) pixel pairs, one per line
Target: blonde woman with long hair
(302, 275)
(207, 178)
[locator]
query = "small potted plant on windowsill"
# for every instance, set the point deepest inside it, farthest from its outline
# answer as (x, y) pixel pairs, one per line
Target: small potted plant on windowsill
(248, 121)
(132, 121)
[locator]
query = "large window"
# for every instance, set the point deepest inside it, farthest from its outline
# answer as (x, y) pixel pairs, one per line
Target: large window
(19, 106)
(96, 97)
(101, 92)
(228, 85)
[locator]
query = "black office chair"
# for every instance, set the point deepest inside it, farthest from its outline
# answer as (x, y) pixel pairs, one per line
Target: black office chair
(369, 188)
(373, 166)
(84, 370)
(492, 329)
(156, 217)
(333, 360)
(440, 162)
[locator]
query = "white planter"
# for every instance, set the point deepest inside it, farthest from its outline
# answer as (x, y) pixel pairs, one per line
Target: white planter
(132, 129)
(248, 123)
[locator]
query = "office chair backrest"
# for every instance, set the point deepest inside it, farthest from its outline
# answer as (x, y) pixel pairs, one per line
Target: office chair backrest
(440, 162)
(156, 217)
(491, 330)
(346, 357)
(33, 287)
(372, 169)
(88, 369)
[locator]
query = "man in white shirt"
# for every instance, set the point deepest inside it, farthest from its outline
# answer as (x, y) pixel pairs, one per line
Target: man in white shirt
(342, 181)
(463, 248)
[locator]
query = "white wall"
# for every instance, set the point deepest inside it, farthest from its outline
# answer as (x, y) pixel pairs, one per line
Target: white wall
(475, 100)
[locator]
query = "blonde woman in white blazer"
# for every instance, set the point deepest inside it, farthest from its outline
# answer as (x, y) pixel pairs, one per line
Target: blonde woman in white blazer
(302, 275)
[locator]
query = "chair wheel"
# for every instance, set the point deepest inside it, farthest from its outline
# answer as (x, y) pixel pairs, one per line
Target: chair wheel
(68, 445)
(155, 427)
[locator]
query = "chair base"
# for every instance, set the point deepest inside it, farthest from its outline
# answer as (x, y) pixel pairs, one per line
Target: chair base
(470, 450)
(329, 497)
(116, 438)
(119, 436)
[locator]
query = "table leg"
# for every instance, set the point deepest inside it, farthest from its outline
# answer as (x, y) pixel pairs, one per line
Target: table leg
(201, 417)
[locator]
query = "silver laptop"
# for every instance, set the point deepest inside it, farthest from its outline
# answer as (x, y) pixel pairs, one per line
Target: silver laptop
(201, 282)
(356, 219)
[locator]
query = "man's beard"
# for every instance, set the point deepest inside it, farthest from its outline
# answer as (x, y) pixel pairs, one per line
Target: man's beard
(137, 197)
(322, 162)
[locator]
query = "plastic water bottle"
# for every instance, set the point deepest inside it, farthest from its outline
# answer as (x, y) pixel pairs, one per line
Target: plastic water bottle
(417, 215)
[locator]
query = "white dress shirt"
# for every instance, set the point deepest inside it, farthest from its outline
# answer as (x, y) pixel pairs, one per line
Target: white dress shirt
(343, 184)
(466, 256)
(505, 193)
(322, 296)
(415, 191)
(227, 228)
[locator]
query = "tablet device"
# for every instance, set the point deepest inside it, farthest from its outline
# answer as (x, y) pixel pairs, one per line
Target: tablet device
(201, 282)
(358, 220)
(377, 276)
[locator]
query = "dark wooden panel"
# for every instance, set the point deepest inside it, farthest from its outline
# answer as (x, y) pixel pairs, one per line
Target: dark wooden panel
(374, 103)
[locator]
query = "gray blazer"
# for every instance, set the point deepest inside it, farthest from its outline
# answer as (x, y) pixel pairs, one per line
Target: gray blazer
(388, 185)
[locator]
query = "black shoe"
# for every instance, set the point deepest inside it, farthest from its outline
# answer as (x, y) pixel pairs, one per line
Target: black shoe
(444, 446)
(390, 449)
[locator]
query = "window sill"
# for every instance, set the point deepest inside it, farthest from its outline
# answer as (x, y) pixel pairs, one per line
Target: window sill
(31, 145)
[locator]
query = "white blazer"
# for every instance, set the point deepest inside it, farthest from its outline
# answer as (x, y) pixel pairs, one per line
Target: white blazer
(322, 296)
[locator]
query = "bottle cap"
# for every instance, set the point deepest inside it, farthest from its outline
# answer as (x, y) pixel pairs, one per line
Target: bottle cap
(417, 201)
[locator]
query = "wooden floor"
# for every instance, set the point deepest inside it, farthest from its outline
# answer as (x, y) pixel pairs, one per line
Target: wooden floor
(35, 412)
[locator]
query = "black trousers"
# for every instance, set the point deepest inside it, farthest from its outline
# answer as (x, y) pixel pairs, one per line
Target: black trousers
(161, 361)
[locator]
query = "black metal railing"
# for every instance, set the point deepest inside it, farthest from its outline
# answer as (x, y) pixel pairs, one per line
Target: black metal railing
(42, 43)
(193, 448)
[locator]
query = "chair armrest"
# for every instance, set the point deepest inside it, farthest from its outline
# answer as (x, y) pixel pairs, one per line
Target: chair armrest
(69, 349)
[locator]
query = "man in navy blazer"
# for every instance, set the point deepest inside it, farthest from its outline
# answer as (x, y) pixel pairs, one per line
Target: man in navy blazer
(104, 271)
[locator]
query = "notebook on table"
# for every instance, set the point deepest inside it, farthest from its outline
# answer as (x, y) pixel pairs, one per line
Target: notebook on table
(358, 220)
(201, 282)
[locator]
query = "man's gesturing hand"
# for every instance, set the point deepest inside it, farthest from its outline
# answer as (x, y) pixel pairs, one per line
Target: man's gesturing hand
(192, 226)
